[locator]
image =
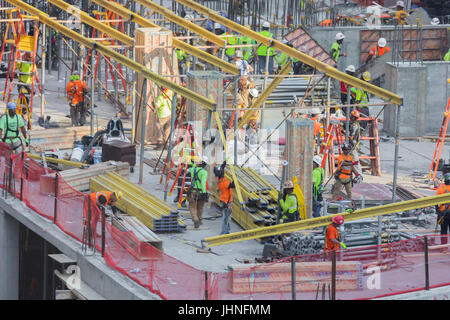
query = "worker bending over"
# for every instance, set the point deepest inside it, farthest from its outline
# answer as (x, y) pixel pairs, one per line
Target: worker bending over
(103, 199)
(225, 196)
(289, 204)
(332, 238)
(346, 169)
(10, 126)
(197, 193)
(443, 211)
(76, 95)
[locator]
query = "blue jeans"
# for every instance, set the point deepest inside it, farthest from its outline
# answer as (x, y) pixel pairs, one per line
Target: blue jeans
(262, 64)
(226, 217)
(316, 206)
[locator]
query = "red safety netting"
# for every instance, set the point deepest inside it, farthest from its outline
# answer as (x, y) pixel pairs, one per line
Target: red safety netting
(361, 273)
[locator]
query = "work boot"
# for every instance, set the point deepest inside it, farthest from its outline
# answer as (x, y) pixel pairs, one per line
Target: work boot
(196, 224)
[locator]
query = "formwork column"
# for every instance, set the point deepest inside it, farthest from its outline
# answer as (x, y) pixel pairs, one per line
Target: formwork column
(299, 153)
(154, 51)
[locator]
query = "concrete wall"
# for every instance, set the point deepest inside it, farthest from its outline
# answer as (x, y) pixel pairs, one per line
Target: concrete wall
(424, 89)
(9, 262)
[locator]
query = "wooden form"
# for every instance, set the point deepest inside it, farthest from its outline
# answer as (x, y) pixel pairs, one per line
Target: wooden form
(60, 138)
(253, 278)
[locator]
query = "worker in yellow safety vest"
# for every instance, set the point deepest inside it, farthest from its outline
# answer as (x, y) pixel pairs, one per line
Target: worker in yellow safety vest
(264, 52)
(230, 40)
(336, 47)
(164, 110)
(26, 68)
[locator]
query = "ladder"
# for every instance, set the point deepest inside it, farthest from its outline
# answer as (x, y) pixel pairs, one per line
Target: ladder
(439, 144)
(333, 136)
(20, 45)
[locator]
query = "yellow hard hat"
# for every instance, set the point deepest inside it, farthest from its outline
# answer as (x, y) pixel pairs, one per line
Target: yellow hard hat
(367, 76)
(118, 195)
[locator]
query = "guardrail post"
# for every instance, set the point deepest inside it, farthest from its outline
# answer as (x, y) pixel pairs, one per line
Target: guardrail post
(103, 231)
(333, 275)
(427, 272)
(55, 211)
(206, 285)
(294, 279)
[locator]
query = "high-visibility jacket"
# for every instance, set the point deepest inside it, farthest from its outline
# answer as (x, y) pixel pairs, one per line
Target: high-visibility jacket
(400, 16)
(230, 41)
(289, 205)
(75, 91)
(331, 233)
(247, 52)
(262, 49)
(345, 171)
(337, 49)
(26, 70)
(344, 87)
(96, 195)
(164, 104)
(317, 180)
(447, 56)
(181, 55)
(10, 127)
(360, 95)
(282, 59)
(441, 190)
(316, 125)
(225, 192)
(198, 178)
(376, 51)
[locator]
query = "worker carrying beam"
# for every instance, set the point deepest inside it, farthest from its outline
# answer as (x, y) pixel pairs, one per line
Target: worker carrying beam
(101, 199)
(197, 192)
(263, 51)
(336, 47)
(76, 95)
(378, 50)
(289, 204)
(225, 196)
(332, 238)
(443, 211)
(10, 126)
(343, 175)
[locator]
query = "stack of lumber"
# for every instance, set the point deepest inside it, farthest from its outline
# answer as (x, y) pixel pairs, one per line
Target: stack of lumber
(276, 277)
(152, 162)
(58, 138)
(137, 245)
(154, 213)
(78, 178)
(259, 196)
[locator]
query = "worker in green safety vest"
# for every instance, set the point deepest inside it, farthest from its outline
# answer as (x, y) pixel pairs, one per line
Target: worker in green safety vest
(181, 57)
(262, 51)
(248, 52)
(361, 98)
(26, 68)
(164, 108)
(336, 47)
(10, 126)
(231, 40)
(282, 58)
(317, 180)
(198, 193)
(289, 204)
(447, 56)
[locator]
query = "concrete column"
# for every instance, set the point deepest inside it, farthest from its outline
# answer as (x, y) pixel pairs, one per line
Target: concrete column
(299, 153)
(9, 263)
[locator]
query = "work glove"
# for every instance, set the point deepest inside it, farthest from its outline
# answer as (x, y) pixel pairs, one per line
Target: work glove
(343, 245)
(358, 179)
(27, 143)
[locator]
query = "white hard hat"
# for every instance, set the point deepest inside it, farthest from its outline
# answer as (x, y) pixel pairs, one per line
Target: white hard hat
(400, 4)
(238, 54)
(339, 36)
(217, 26)
(351, 68)
(317, 159)
(382, 42)
(266, 24)
(254, 92)
(435, 21)
(315, 111)
(284, 41)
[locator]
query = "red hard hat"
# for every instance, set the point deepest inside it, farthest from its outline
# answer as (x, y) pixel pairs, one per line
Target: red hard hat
(338, 220)
(356, 113)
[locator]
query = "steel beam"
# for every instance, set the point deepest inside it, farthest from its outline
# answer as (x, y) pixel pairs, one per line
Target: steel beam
(171, 16)
(159, 80)
(143, 22)
(294, 53)
(323, 221)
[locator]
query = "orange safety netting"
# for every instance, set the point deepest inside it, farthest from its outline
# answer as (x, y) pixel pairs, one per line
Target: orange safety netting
(361, 273)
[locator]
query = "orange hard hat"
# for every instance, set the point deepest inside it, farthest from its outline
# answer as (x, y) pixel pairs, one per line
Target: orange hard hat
(356, 113)
(338, 220)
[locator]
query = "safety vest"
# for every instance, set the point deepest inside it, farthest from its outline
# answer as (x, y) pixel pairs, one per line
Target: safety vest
(318, 176)
(26, 71)
(226, 194)
(359, 94)
(181, 55)
(262, 50)
(376, 51)
(282, 59)
(231, 41)
(11, 127)
(247, 52)
(345, 171)
(164, 104)
(441, 190)
(75, 91)
(96, 195)
(330, 246)
(447, 56)
(293, 208)
(337, 49)
(344, 87)
(196, 182)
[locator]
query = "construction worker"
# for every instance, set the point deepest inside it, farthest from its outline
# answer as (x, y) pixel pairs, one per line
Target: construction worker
(378, 50)
(289, 204)
(336, 47)
(350, 70)
(230, 40)
(76, 92)
(100, 199)
(447, 55)
(443, 211)
(164, 107)
(345, 169)
(354, 137)
(254, 119)
(317, 180)
(282, 58)
(332, 239)
(400, 15)
(217, 31)
(244, 67)
(26, 69)
(182, 58)
(262, 51)
(361, 98)
(247, 52)
(197, 193)
(225, 196)
(10, 125)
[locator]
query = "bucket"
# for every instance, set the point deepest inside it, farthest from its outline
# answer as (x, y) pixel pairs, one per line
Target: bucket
(78, 144)
(97, 157)
(77, 153)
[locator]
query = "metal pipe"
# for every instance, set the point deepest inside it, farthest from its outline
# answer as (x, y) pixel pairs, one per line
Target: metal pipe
(143, 108)
(397, 145)
(92, 92)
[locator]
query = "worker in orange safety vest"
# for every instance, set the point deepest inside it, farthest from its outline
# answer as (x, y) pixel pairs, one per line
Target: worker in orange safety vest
(76, 92)
(343, 175)
(378, 50)
(332, 240)
(102, 198)
(443, 211)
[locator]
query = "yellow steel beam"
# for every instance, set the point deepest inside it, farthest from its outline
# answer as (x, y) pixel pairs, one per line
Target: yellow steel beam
(59, 161)
(97, 24)
(294, 53)
(323, 221)
(182, 22)
(159, 80)
(143, 22)
(264, 95)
